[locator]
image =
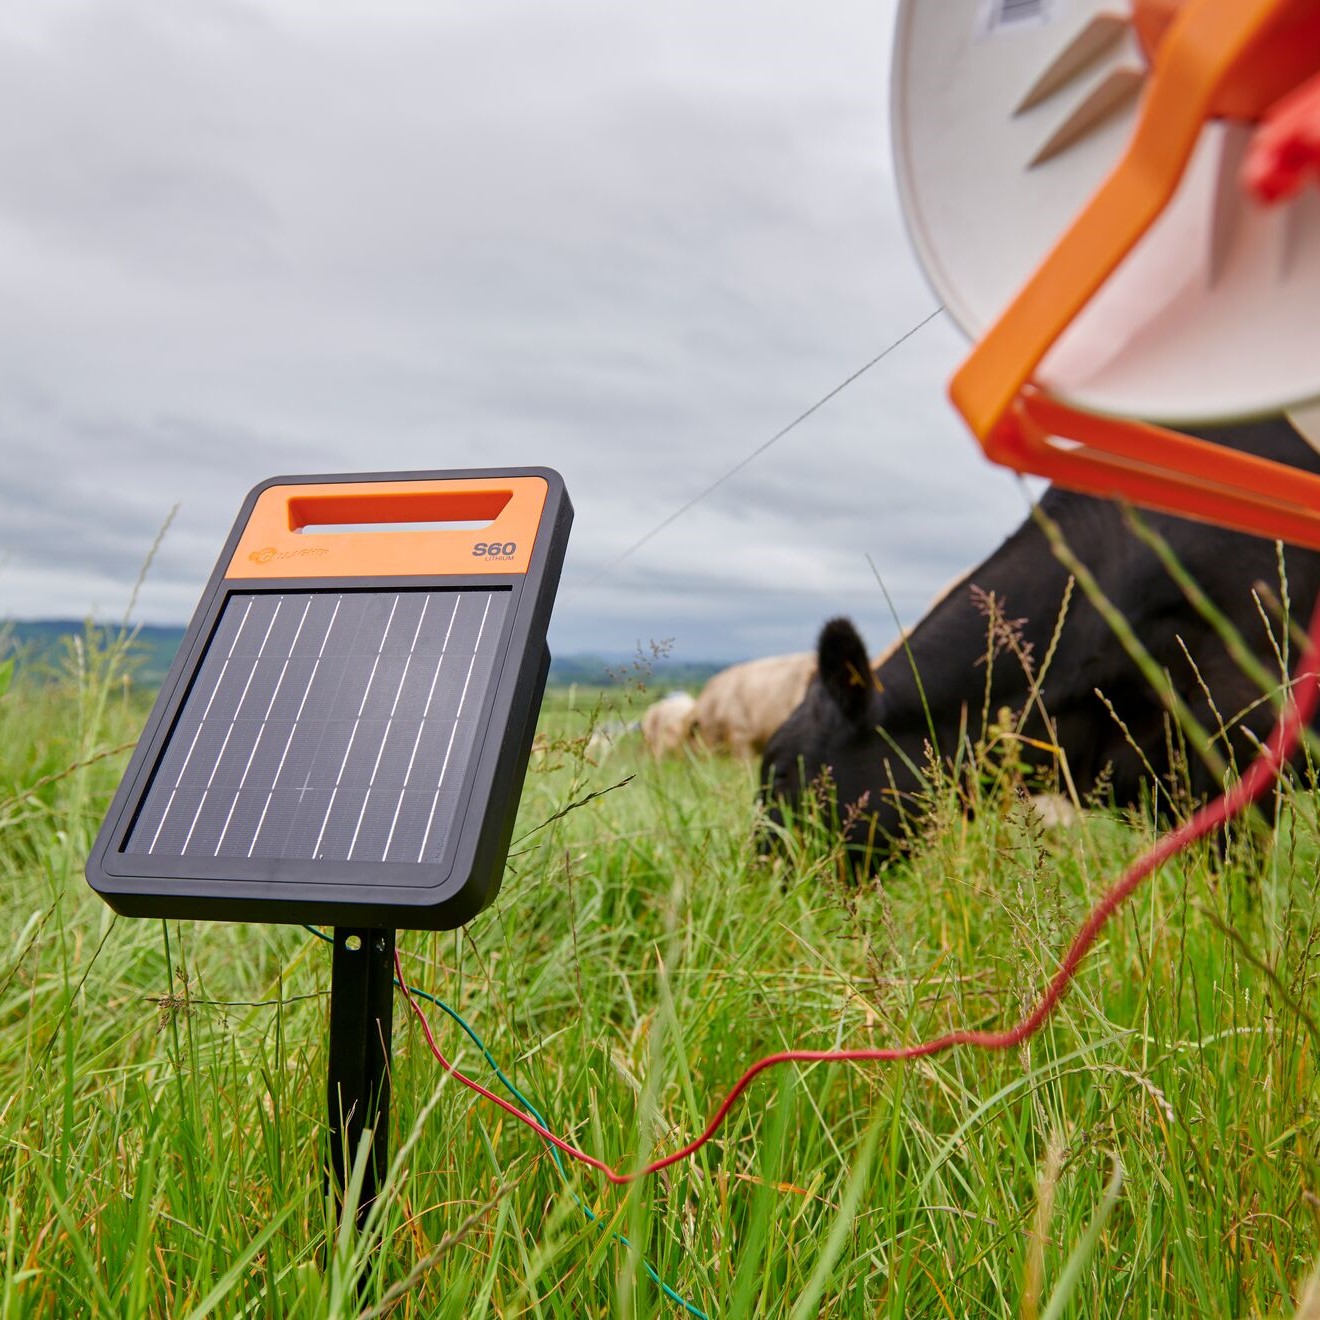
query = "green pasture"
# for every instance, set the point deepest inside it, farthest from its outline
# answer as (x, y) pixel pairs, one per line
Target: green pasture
(1152, 1152)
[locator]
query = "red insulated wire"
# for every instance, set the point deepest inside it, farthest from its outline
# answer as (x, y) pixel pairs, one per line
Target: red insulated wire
(1255, 781)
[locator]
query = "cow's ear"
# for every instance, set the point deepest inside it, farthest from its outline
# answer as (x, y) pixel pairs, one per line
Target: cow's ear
(845, 671)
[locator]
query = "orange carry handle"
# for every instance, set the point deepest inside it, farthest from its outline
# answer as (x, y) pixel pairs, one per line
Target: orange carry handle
(362, 507)
(1214, 55)
(274, 543)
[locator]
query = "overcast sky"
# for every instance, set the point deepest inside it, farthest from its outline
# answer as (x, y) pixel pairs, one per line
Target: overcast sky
(627, 239)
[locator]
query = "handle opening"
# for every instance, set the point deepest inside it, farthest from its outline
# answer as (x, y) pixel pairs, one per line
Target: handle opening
(397, 511)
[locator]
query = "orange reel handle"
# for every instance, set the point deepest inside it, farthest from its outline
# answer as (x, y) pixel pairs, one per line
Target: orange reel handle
(1019, 426)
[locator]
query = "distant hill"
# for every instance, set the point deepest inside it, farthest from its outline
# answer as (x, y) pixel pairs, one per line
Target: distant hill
(49, 644)
(659, 675)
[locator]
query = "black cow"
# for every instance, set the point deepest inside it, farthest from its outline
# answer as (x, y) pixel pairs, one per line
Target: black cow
(869, 728)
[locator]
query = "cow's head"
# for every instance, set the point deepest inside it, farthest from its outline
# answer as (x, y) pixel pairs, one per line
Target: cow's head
(830, 746)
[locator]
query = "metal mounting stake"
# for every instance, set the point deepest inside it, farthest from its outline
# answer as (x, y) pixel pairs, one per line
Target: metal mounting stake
(358, 1090)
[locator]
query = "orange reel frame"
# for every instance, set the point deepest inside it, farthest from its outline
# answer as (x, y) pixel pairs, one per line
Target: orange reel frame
(1215, 56)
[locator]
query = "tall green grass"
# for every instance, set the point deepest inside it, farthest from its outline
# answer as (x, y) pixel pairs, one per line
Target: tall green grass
(1152, 1152)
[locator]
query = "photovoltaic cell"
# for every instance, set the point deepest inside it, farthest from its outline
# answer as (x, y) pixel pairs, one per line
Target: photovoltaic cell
(326, 725)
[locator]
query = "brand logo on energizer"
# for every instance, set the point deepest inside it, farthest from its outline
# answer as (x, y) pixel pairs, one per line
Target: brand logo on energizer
(269, 552)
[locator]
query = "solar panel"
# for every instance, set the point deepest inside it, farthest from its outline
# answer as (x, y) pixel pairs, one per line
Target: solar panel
(347, 748)
(326, 726)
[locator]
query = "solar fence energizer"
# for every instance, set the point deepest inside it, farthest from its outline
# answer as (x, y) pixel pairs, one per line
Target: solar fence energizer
(343, 735)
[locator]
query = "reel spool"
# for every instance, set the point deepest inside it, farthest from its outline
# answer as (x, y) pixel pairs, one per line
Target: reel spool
(1006, 125)
(1071, 173)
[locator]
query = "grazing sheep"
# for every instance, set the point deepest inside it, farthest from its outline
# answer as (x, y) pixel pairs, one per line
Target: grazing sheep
(740, 707)
(667, 723)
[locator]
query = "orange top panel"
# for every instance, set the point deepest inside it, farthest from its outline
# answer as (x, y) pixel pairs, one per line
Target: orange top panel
(282, 540)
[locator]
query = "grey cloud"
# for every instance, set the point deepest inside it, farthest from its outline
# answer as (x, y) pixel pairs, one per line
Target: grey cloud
(627, 241)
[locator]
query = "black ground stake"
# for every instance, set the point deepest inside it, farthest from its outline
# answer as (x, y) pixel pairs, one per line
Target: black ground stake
(358, 1091)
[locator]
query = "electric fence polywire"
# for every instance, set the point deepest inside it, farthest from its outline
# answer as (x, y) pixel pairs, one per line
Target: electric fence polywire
(757, 452)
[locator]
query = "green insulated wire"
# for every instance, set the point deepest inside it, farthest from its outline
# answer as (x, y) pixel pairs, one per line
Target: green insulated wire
(535, 1113)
